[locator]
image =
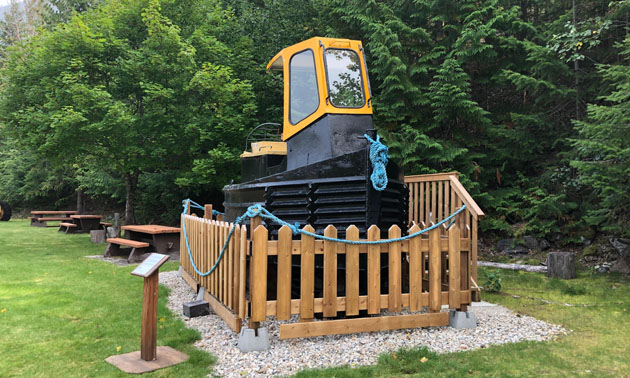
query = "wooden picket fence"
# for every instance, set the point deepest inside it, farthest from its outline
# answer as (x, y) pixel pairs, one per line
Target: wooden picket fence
(426, 271)
(433, 197)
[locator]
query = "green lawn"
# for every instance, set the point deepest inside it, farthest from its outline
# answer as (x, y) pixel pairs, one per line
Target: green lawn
(62, 314)
(599, 344)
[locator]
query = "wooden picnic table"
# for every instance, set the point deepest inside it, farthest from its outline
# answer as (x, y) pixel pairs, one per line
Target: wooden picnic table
(87, 222)
(39, 218)
(164, 239)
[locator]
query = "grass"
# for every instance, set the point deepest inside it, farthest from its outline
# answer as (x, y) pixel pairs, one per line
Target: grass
(62, 314)
(599, 344)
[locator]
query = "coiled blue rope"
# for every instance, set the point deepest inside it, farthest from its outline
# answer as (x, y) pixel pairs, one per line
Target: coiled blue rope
(259, 210)
(379, 157)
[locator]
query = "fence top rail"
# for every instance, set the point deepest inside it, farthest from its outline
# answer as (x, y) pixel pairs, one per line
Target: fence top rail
(470, 203)
(430, 177)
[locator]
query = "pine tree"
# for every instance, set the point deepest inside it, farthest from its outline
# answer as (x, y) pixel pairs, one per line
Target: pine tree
(604, 148)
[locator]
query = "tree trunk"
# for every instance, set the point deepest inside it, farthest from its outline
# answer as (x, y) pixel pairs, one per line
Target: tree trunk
(561, 265)
(80, 208)
(131, 184)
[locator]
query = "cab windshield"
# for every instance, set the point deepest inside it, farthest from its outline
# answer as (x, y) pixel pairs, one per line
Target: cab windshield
(343, 74)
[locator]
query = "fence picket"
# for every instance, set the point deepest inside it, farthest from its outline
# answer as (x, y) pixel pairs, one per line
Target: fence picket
(435, 271)
(374, 272)
(283, 307)
(415, 271)
(352, 272)
(307, 267)
(242, 275)
(395, 272)
(330, 273)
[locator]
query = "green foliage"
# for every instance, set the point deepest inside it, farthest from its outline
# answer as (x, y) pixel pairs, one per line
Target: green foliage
(603, 149)
(492, 281)
(124, 91)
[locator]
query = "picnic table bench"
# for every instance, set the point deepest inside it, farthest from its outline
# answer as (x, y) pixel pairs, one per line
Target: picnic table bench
(81, 223)
(39, 218)
(143, 239)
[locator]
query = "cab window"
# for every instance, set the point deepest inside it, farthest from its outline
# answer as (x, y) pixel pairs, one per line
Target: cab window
(303, 93)
(343, 74)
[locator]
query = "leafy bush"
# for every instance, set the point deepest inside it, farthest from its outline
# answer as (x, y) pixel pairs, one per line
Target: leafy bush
(493, 281)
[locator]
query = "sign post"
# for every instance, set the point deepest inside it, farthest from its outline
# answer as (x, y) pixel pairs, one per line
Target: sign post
(150, 357)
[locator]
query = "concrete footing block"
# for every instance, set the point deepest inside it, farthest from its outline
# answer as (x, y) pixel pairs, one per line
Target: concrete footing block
(461, 319)
(196, 308)
(201, 293)
(248, 341)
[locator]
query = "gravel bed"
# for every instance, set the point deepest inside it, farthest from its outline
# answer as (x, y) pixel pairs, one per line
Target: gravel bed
(495, 325)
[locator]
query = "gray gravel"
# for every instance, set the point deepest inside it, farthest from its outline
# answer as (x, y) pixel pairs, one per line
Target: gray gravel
(495, 325)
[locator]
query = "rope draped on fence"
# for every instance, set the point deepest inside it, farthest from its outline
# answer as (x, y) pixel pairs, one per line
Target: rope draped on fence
(379, 157)
(259, 211)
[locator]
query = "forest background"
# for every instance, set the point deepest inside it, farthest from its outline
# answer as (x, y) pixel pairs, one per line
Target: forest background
(138, 104)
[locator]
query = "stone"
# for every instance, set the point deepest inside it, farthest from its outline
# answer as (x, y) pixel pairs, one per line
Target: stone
(544, 244)
(561, 265)
(196, 308)
(620, 266)
(531, 242)
(461, 319)
(97, 236)
(111, 232)
(601, 269)
(249, 341)
(621, 246)
(504, 244)
(519, 250)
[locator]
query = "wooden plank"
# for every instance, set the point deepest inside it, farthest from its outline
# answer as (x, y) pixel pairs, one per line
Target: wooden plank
(206, 250)
(374, 271)
(447, 196)
(229, 271)
(421, 215)
(430, 177)
(284, 273)
(395, 271)
(258, 282)
(464, 278)
(412, 189)
(307, 289)
(213, 256)
(474, 250)
(190, 280)
(224, 264)
(454, 286)
(242, 274)
(207, 212)
(415, 271)
(346, 326)
(352, 272)
(148, 338)
(231, 319)
(433, 203)
(435, 257)
(440, 201)
(318, 306)
(330, 273)
(471, 205)
(221, 266)
(427, 202)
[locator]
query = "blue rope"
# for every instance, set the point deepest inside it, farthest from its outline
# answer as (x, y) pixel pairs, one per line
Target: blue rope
(259, 211)
(198, 206)
(379, 157)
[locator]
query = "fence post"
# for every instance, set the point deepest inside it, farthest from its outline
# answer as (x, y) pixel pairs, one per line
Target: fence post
(258, 283)
(207, 212)
(454, 285)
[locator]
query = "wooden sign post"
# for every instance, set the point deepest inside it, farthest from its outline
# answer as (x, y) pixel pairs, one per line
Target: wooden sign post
(150, 357)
